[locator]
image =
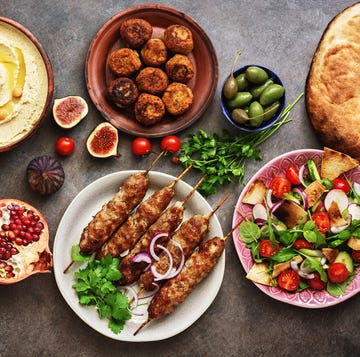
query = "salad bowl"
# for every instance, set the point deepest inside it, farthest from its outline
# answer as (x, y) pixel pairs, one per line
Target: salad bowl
(308, 298)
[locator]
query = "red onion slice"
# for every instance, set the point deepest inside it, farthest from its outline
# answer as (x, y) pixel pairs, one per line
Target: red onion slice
(152, 245)
(303, 196)
(158, 276)
(182, 262)
(301, 175)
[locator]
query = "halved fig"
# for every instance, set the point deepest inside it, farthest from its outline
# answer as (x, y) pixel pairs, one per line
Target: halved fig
(24, 241)
(103, 141)
(69, 111)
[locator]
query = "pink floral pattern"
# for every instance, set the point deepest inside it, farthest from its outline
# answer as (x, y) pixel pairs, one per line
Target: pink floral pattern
(309, 298)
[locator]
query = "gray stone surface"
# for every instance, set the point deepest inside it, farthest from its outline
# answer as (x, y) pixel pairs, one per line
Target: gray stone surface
(242, 321)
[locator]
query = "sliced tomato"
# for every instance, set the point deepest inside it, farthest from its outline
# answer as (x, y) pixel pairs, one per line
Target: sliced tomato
(267, 248)
(292, 174)
(337, 272)
(289, 280)
(322, 221)
(316, 283)
(341, 184)
(302, 243)
(280, 186)
(356, 256)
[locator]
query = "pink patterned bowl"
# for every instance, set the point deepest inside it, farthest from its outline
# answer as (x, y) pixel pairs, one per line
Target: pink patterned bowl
(308, 298)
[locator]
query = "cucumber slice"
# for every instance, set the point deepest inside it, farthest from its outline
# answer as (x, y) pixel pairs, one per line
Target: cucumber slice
(345, 258)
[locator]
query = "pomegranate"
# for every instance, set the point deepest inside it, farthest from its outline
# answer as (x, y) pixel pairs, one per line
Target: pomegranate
(24, 239)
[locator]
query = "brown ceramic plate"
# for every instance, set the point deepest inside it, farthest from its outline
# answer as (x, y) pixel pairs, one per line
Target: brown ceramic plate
(98, 76)
(14, 138)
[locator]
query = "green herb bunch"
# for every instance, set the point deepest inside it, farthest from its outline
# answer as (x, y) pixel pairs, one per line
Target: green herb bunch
(223, 157)
(94, 286)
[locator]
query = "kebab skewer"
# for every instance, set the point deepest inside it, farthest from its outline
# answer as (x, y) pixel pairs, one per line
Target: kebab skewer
(197, 267)
(133, 264)
(190, 234)
(113, 213)
(126, 236)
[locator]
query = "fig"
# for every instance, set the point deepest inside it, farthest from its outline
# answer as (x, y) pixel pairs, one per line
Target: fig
(45, 174)
(24, 241)
(69, 111)
(103, 141)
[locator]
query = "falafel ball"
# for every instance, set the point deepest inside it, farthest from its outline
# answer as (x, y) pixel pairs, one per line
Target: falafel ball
(154, 52)
(179, 68)
(152, 80)
(124, 62)
(123, 92)
(178, 98)
(149, 109)
(178, 39)
(135, 32)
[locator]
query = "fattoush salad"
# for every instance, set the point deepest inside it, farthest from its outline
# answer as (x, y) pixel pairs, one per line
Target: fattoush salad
(304, 230)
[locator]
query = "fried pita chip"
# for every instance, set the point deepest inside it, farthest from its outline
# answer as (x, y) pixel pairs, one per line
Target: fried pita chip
(259, 273)
(256, 192)
(335, 163)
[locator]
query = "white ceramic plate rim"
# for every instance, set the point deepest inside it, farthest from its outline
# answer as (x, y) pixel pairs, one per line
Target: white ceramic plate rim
(307, 298)
(76, 217)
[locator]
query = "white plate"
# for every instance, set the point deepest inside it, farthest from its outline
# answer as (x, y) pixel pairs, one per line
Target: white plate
(77, 216)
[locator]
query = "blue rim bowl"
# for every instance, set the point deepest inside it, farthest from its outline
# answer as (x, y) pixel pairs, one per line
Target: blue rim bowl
(227, 112)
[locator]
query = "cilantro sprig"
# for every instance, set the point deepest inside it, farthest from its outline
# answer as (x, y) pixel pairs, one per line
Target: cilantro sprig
(94, 286)
(223, 157)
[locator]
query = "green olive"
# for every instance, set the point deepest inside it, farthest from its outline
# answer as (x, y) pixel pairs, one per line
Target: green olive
(230, 88)
(239, 116)
(242, 82)
(271, 94)
(257, 90)
(256, 75)
(241, 99)
(256, 114)
(270, 111)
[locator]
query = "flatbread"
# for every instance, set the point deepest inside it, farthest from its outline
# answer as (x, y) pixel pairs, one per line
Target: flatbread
(332, 92)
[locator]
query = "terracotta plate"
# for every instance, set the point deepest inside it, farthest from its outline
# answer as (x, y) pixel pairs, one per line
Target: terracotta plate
(307, 298)
(22, 134)
(98, 76)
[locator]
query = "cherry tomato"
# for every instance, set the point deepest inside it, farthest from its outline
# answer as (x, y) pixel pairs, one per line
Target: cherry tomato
(292, 174)
(341, 184)
(337, 272)
(316, 283)
(289, 280)
(64, 146)
(356, 256)
(280, 186)
(322, 221)
(140, 146)
(266, 248)
(170, 143)
(302, 243)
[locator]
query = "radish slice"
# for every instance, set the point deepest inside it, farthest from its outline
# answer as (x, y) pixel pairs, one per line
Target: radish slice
(356, 187)
(354, 211)
(268, 198)
(259, 212)
(339, 197)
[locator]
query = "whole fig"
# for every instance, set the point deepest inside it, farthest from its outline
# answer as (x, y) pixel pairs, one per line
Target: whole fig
(45, 174)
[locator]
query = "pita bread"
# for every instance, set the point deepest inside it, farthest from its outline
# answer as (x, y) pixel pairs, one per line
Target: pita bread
(335, 163)
(332, 92)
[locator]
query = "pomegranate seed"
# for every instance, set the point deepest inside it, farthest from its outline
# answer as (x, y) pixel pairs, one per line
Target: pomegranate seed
(18, 240)
(2, 235)
(35, 237)
(24, 242)
(10, 275)
(14, 251)
(2, 265)
(5, 227)
(11, 235)
(9, 268)
(6, 255)
(40, 225)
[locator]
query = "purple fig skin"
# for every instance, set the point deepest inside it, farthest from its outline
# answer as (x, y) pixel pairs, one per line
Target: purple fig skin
(45, 175)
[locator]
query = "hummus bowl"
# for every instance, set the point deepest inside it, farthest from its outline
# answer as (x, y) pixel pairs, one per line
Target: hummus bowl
(26, 84)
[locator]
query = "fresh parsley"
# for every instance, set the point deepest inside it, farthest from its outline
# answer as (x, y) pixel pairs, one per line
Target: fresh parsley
(94, 286)
(223, 157)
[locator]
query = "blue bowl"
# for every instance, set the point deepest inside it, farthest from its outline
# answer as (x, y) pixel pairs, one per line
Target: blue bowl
(266, 124)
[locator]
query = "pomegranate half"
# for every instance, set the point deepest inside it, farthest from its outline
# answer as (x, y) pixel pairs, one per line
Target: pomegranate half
(24, 241)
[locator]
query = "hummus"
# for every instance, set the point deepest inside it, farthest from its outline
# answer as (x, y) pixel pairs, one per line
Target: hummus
(23, 85)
